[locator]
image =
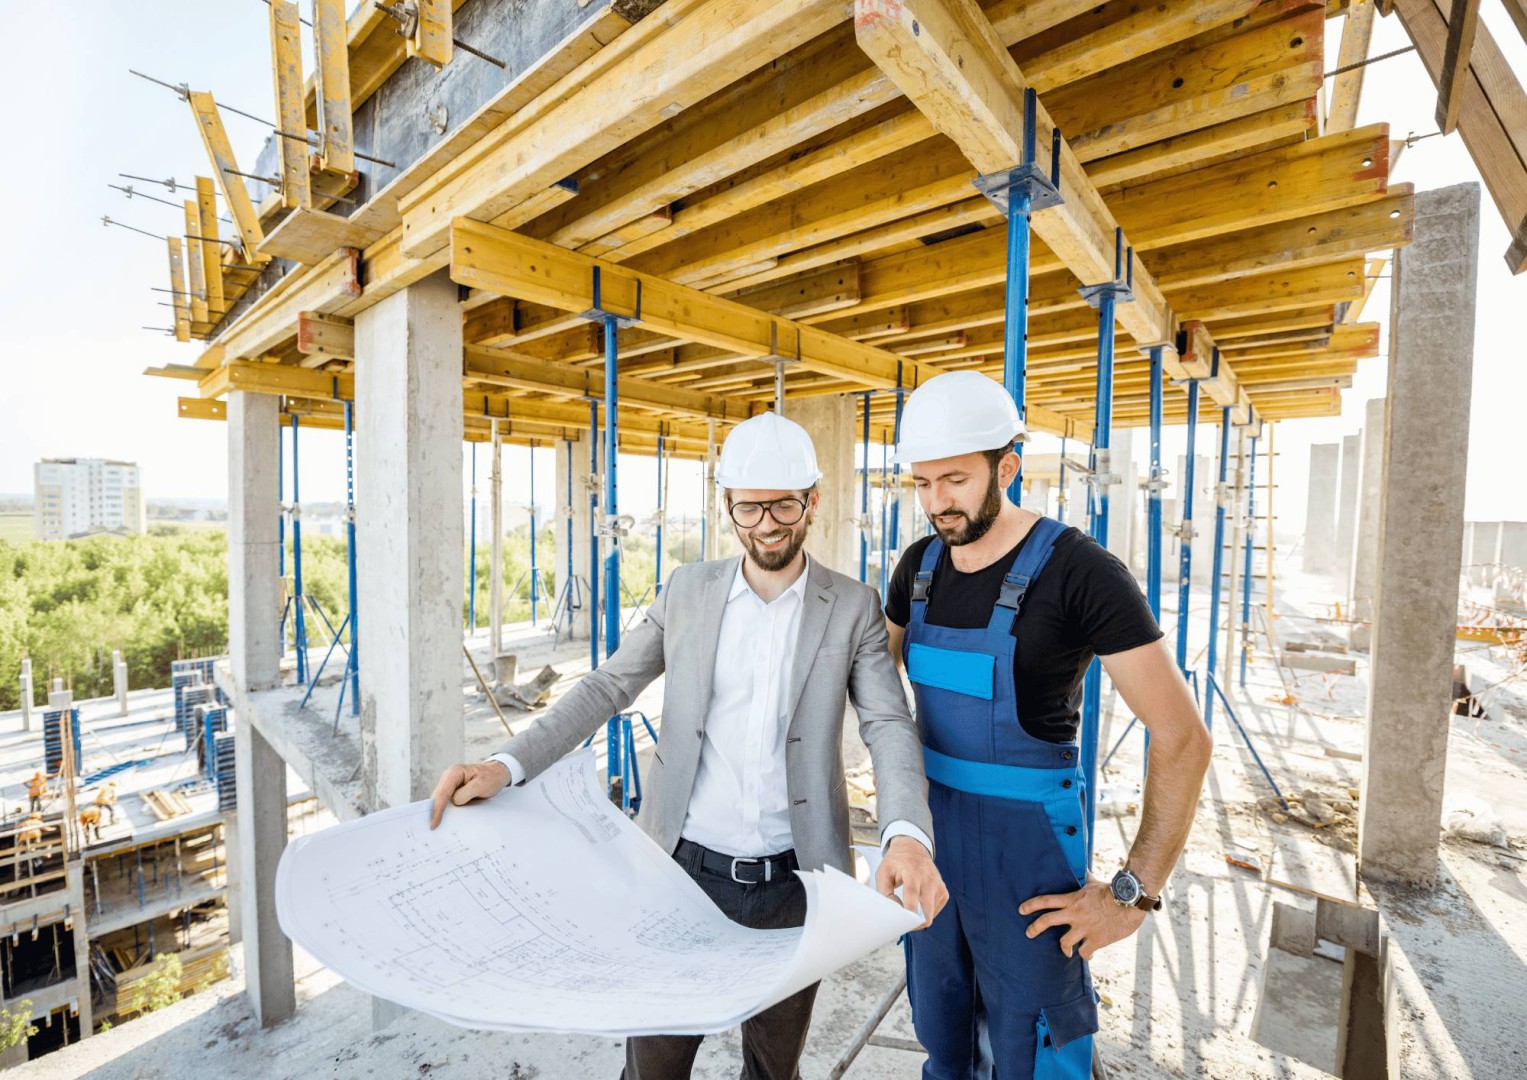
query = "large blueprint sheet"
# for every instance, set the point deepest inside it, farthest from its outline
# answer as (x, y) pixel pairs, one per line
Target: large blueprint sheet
(546, 909)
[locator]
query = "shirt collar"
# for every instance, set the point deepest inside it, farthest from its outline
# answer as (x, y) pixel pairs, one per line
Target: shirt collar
(740, 584)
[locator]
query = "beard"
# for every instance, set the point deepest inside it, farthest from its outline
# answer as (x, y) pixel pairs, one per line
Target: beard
(772, 559)
(971, 528)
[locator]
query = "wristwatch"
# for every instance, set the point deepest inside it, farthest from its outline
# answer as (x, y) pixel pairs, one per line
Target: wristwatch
(1128, 892)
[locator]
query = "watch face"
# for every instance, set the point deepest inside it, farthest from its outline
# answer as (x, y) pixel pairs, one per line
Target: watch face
(1126, 890)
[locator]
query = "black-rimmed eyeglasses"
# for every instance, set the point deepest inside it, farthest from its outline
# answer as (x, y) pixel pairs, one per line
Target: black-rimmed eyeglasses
(785, 511)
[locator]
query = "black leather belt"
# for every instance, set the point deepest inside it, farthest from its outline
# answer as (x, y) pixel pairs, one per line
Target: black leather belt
(743, 871)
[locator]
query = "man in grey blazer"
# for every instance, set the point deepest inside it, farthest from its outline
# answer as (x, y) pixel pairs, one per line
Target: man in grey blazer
(747, 783)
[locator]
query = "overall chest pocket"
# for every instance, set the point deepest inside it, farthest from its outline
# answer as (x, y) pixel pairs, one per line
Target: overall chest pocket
(959, 672)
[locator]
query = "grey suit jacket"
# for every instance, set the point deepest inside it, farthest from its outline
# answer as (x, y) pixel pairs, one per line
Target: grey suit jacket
(841, 650)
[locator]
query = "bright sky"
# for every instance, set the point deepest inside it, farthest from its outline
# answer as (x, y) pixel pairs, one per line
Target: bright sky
(73, 293)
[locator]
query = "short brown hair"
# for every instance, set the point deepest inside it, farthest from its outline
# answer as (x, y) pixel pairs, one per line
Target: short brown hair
(994, 457)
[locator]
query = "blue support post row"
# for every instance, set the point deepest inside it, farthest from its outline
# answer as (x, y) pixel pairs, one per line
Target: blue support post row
(1217, 573)
(896, 469)
(620, 758)
(1185, 532)
(1020, 193)
(1251, 510)
(1105, 298)
(1152, 532)
(299, 621)
(864, 500)
(657, 573)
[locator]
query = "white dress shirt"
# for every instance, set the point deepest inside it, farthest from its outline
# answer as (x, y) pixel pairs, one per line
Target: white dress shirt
(740, 803)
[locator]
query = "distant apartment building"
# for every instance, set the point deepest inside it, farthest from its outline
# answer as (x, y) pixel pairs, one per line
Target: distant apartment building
(80, 496)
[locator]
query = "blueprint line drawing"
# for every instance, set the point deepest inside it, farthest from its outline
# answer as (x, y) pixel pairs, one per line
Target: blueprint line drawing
(547, 909)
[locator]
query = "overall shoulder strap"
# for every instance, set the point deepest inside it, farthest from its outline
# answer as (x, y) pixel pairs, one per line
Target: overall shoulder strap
(1031, 559)
(922, 583)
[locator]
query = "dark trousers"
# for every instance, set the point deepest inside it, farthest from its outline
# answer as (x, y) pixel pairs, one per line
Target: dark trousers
(773, 1040)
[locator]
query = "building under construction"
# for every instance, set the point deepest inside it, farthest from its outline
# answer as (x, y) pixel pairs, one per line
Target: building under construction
(619, 228)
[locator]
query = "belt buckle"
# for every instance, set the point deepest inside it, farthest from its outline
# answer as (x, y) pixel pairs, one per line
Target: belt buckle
(751, 862)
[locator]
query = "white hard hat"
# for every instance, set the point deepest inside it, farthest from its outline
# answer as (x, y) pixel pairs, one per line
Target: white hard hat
(961, 412)
(770, 453)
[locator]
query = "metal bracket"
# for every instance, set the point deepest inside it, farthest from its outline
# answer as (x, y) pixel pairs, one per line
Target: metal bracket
(1027, 178)
(597, 313)
(616, 526)
(1185, 531)
(1122, 287)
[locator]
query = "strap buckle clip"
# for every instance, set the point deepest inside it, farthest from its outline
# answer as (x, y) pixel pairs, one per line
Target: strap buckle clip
(768, 869)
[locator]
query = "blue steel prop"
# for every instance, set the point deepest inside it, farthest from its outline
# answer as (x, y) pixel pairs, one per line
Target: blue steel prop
(896, 470)
(281, 523)
(864, 499)
(1219, 555)
(618, 763)
(1020, 193)
(885, 507)
(1185, 533)
(1152, 536)
(295, 602)
(594, 628)
(350, 679)
(1105, 298)
(1251, 516)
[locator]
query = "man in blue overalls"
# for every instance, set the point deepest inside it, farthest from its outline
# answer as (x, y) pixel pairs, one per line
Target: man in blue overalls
(997, 617)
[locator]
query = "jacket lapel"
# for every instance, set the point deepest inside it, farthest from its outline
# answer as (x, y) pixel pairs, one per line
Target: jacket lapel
(712, 609)
(816, 613)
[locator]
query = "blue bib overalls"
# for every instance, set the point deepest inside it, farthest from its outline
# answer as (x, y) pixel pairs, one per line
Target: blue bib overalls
(1009, 825)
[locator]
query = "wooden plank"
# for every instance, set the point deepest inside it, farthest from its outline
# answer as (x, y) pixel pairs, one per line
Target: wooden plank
(220, 152)
(830, 288)
(1203, 146)
(196, 272)
(1311, 868)
(310, 236)
(286, 66)
(699, 55)
(321, 338)
(262, 329)
(956, 71)
(331, 53)
(1490, 140)
(508, 263)
(1347, 88)
(1462, 24)
(195, 408)
(211, 250)
(500, 368)
(178, 293)
(431, 39)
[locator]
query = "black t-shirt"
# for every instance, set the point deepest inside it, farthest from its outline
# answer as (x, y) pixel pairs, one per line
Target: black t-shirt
(1083, 603)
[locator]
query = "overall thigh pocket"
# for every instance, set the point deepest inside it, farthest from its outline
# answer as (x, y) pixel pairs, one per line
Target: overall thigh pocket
(1063, 1039)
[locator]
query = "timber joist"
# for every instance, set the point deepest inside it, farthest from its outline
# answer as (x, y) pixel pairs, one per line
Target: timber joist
(793, 181)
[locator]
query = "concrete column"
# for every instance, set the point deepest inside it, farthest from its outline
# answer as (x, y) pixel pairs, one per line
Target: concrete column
(1205, 478)
(234, 899)
(261, 785)
(254, 588)
(1420, 539)
(1370, 486)
(576, 511)
(26, 694)
(75, 880)
(254, 656)
(119, 680)
(832, 421)
(1513, 544)
(410, 539)
(1037, 497)
(1320, 509)
(1346, 508)
(1483, 546)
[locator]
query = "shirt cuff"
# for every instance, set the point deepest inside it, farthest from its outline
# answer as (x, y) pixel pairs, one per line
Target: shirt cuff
(516, 770)
(901, 828)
